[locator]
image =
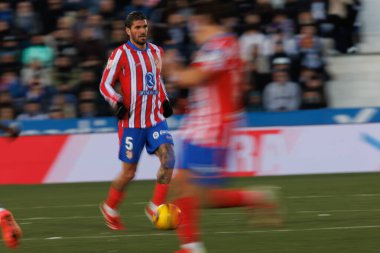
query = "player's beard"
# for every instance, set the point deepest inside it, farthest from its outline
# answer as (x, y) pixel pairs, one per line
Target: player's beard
(140, 40)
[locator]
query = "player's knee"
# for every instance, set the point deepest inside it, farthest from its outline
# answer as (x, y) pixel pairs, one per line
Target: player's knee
(168, 158)
(128, 175)
(168, 161)
(166, 155)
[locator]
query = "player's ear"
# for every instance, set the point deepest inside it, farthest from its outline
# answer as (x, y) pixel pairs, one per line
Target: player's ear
(128, 31)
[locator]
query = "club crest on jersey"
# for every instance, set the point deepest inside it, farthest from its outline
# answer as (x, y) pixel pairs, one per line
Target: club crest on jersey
(150, 80)
(129, 154)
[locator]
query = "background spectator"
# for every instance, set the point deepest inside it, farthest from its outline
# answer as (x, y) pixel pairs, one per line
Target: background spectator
(53, 51)
(32, 111)
(343, 13)
(26, 19)
(7, 112)
(56, 112)
(38, 50)
(281, 94)
(313, 93)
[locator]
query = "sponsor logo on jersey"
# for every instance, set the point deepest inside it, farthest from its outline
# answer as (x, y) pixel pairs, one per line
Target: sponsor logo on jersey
(148, 92)
(166, 133)
(163, 132)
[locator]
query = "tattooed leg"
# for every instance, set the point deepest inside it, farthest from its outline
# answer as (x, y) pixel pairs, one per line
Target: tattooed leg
(166, 155)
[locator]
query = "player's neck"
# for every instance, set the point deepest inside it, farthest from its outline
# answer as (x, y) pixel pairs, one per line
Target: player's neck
(210, 32)
(141, 47)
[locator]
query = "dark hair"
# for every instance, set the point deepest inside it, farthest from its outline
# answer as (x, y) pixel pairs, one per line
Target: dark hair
(215, 9)
(133, 16)
(55, 108)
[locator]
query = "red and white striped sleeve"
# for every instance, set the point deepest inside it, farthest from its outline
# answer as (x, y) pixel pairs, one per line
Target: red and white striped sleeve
(110, 74)
(162, 86)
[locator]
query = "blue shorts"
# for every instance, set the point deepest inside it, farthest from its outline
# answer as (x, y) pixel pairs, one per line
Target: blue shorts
(205, 163)
(133, 141)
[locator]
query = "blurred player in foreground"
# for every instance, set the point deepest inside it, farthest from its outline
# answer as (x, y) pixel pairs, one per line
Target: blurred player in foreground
(141, 107)
(11, 232)
(214, 80)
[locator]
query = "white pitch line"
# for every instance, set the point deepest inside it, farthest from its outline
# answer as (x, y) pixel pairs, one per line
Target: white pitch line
(331, 196)
(73, 217)
(69, 206)
(215, 213)
(310, 197)
(97, 236)
(215, 233)
(61, 218)
(62, 206)
(339, 211)
(143, 203)
(299, 230)
(324, 215)
(366, 195)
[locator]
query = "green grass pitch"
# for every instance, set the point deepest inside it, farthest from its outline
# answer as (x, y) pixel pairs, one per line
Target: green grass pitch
(324, 213)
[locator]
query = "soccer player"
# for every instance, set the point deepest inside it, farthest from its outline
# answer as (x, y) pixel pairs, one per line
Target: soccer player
(10, 229)
(214, 80)
(141, 107)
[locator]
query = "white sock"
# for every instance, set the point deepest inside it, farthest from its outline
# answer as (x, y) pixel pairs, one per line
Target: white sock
(152, 206)
(195, 247)
(110, 211)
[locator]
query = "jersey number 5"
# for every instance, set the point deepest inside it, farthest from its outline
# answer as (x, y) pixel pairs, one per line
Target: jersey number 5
(128, 143)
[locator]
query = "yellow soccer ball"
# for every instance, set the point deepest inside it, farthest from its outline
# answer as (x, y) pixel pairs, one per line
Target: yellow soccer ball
(168, 216)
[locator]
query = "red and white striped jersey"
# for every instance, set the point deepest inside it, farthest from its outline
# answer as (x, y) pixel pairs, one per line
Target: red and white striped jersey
(141, 87)
(214, 104)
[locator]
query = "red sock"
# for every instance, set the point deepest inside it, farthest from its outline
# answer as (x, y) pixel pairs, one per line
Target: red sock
(159, 194)
(221, 198)
(114, 198)
(188, 231)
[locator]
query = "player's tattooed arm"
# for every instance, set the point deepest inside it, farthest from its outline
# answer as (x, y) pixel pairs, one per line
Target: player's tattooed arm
(166, 155)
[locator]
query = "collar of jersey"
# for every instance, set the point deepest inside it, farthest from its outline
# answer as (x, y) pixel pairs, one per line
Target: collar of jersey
(136, 48)
(219, 35)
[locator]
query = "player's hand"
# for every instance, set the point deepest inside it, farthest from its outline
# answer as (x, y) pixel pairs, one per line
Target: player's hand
(11, 131)
(14, 132)
(171, 63)
(120, 110)
(168, 109)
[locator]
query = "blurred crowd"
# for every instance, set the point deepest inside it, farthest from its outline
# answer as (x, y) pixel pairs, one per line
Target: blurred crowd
(53, 52)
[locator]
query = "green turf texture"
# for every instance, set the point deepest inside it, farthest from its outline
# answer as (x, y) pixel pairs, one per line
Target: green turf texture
(324, 213)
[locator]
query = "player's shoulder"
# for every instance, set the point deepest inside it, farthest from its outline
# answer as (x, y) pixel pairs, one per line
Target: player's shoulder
(117, 50)
(224, 45)
(121, 47)
(153, 46)
(222, 41)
